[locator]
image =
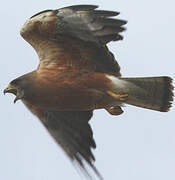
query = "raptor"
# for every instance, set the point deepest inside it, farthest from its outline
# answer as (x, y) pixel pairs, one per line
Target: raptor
(78, 74)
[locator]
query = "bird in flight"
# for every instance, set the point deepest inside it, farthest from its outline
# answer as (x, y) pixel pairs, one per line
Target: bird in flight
(78, 74)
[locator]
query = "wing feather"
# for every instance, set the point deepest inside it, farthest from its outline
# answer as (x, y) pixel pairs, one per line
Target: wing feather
(73, 133)
(84, 29)
(88, 24)
(81, 7)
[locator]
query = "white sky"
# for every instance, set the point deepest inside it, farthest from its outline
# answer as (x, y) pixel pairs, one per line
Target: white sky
(138, 145)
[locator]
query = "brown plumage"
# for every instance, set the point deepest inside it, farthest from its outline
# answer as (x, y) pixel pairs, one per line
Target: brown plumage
(78, 74)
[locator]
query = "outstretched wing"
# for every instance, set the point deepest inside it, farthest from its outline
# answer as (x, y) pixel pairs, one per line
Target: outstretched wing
(73, 133)
(78, 34)
(88, 24)
(96, 27)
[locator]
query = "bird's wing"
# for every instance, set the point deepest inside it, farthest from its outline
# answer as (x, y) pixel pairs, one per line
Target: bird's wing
(75, 33)
(73, 133)
(88, 24)
(96, 26)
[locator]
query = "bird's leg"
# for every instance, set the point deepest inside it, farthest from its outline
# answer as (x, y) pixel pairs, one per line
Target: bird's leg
(118, 97)
(115, 110)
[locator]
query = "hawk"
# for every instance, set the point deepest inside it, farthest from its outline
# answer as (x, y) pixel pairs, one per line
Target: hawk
(78, 74)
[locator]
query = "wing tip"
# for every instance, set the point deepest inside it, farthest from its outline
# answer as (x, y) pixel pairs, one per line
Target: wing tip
(97, 25)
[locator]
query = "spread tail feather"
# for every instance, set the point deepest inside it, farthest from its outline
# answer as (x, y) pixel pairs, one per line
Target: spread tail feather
(154, 93)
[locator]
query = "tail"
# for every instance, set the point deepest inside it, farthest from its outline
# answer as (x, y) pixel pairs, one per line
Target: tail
(154, 93)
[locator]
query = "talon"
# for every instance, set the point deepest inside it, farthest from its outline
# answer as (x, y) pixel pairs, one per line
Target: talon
(120, 97)
(123, 97)
(116, 110)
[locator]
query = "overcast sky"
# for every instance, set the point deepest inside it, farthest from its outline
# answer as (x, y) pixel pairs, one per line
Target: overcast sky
(137, 145)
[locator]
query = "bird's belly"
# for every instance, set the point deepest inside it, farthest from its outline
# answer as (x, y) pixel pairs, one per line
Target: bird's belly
(77, 100)
(65, 100)
(71, 91)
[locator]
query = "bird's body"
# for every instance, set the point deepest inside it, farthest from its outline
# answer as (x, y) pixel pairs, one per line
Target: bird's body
(69, 89)
(78, 74)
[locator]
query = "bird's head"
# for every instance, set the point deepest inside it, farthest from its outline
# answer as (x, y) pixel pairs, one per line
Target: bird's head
(16, 87)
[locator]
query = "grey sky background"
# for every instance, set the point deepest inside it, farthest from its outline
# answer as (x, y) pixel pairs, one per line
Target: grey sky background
(137, 145)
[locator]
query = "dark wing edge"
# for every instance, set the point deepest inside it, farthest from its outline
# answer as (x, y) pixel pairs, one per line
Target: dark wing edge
(88, 24)
(73, 133)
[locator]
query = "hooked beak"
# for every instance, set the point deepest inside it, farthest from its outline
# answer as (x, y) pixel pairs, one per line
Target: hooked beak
(10, 89)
